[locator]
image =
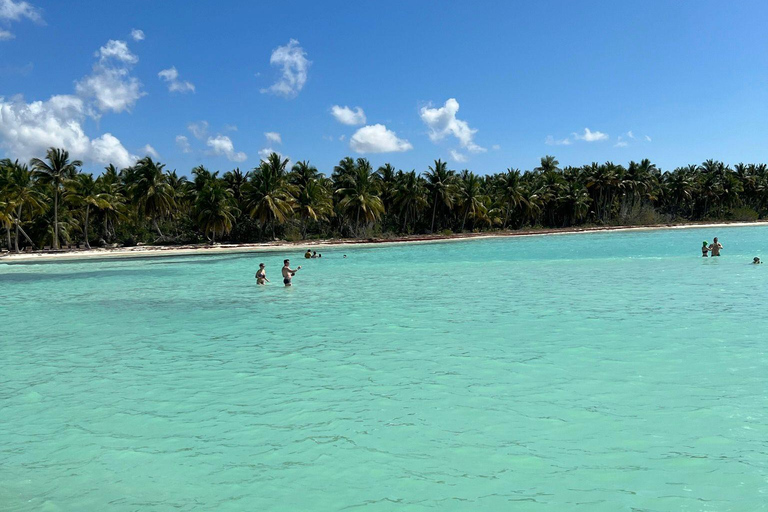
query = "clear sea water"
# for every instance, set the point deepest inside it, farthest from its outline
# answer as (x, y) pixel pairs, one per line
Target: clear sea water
(592, 372)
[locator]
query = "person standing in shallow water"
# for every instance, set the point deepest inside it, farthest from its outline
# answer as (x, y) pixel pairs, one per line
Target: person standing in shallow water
(715, 247)
(288, 272)
(261, 275)
(705, 249)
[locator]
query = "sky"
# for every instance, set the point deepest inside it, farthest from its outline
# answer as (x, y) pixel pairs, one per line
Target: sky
(484, 85)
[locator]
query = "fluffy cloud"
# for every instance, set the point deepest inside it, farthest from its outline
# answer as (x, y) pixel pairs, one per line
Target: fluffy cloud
(117, 50)
(150, 151)
(171, 76)
(590, 136)
(273, 137)
(377, 139)
(458, 157)
(346, 115)
(110, 84)
(222, 145)
(198, 129)
(443, 122)
(292, 60)
(15, 11)
(28, 129)
(137, 35)
(182, 142)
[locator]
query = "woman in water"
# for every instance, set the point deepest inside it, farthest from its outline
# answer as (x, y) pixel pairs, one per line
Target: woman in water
(261, 275)
(705, 250)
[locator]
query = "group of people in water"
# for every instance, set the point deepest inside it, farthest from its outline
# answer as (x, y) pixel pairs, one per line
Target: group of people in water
(715, 247)
(287, 271)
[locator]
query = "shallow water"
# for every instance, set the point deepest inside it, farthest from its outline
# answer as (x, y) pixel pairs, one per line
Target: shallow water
(594, 372)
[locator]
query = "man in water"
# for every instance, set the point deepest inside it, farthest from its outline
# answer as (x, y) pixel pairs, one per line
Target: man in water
(261, 275)
(288, 272)
(314, 254)
(756, 261)
(715, 247)
(308, 254)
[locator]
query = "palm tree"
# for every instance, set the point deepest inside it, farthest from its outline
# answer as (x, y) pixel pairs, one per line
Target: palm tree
(512, 192)
(55, 170)
(18, 186)
(440, 183)
(410, 196)
(82, 191)
(360, 195)
(471, 197)
(215, 209)
(269, 196)
(314, 201)
(151, 191)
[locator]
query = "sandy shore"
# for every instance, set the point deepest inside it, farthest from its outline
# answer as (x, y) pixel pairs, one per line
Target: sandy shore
(200, 249)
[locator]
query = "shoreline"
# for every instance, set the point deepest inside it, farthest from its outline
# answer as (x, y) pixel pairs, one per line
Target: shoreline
(203, 249)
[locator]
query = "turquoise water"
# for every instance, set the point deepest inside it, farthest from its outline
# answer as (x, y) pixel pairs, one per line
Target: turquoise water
(597, 372)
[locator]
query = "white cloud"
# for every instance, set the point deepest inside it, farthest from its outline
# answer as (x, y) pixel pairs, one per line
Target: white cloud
(495, 147)
(198, 129)
(137, 35)
(342, 137)
(458, 157)
(171, 76)
(28, 129)
(150, 151)
(5, 35)
(222, 145)
(230, 128)
(292, 59)
(273, 137)
(590, 136)
(551, 141)
(443, 122)
(182, 142)
(620, 143)
(648, 138)
(377, 139)
(346, 115)
(117, 50)
(630, 134)
(15, 11)
(110, 83)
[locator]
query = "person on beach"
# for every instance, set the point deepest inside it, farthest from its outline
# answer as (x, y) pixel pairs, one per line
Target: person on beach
(288, 272)
(705, 249)
(308, 254)
(756, 261)
(715, 247)
(261, 275)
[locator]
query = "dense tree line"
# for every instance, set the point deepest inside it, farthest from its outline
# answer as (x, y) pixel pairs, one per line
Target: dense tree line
(50, 202)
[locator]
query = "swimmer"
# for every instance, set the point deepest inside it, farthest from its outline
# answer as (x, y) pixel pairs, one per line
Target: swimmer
(705, 249)
(288, 272)
(308, 254)
(261, 275)
(345, 255)
(314, 254)
(715, 247)
(756, 261)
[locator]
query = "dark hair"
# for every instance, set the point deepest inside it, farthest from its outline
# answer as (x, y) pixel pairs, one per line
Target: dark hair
(261, 264)
(286, 261)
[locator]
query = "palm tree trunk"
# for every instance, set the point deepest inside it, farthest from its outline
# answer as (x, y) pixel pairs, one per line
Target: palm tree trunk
(506, 218)
(8, 233)
(87, 213)
(16, 237)
(56, 216)
(464, 220)
(434, 210)
(156, 226)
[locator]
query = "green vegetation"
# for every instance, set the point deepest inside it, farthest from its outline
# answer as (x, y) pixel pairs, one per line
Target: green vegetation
(50, 202)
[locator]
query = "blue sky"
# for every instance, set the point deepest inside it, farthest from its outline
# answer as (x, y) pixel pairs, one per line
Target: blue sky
(676, 82)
